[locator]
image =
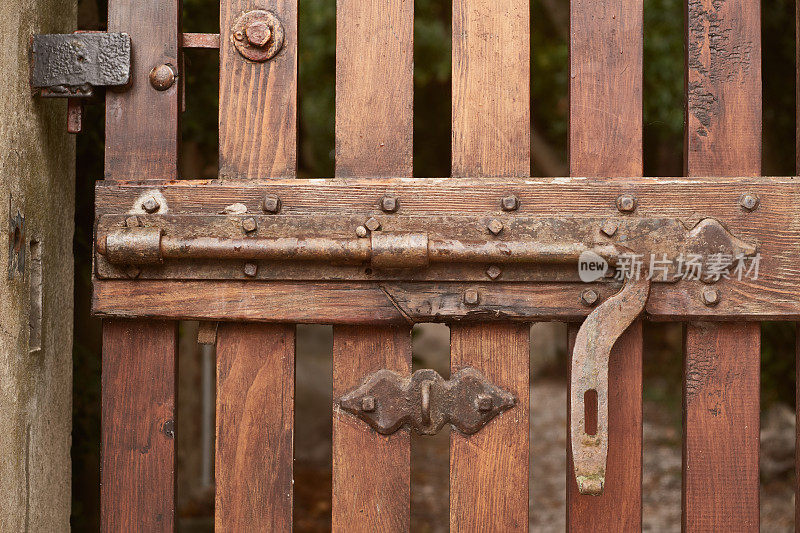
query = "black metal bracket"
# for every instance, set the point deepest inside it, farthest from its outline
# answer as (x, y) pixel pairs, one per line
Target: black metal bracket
(73, 65)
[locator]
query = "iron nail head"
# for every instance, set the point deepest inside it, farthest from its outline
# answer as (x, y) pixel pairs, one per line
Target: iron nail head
(493, 272)
(626, 203)
(162, 77)
(749, 202)
(589, 297)
(389, 204)
(495, 226)
(362, 231)
(373, 224)
(471, 297)
(272, 204)
(609, 228)
(249, 225)
(151, 205)
(711, 296)
(250, 270)
(509, 203)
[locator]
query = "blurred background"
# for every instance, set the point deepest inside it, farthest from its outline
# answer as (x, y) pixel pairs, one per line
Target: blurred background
(663, 156)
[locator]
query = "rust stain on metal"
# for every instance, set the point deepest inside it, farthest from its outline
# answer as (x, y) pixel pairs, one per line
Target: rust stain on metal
(425, 401)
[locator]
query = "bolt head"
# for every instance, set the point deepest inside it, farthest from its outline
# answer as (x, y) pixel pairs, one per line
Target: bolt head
(589, 297)
(272, 204)
(495, 226)
(484, 403)
(493, 272)
(626, 203)
(389, 204)
(749, 202)
(151, 205)
(711, 296)
(368, 404)
(250, 270)
(471, 297)
(373, 224)
(162, 77)
(509, 203)
(609, 228)
(249, 225)
(258, 33)
(362, 231)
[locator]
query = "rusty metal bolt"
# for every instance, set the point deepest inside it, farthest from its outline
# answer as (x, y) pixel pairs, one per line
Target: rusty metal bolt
(589, 297)
(749, 202)
(362, 232)
(162, 77)
(711, 296)
(132, 222)
(509, 203)
(484, 403)
(471, 297)
(151, 205)
(272, 204)
(368, 404)
(258, 33)
(389, 204)
(495, 226)
(493, 272)
(249, 225)
(373, 224)
(609, 228)
(250, 270)
(626, 203)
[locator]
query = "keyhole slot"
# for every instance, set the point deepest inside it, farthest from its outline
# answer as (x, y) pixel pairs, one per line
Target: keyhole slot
(590, 412)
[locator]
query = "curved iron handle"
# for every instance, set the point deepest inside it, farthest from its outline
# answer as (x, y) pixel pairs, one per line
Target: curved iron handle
(590, 356)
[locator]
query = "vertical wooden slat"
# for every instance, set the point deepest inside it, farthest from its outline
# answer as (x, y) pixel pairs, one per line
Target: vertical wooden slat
(605, 139)
(138, 425)
(797, 326)
(722, 361)
(491, 137)
(139, 357)
(374, 98)
(255, 362)
(255, 399)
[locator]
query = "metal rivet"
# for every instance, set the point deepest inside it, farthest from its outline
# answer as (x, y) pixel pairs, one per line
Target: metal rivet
(271, 204)
(589, 297)
(162, 77)
(132, 222)
(509, 203)
(362, 232)
(389, 204)
(250, 270)
(495, 226)
(258, 33)
(238, 35)
(493, 272)
(609, 228)
(484, 403)
(249, 225)
(749, 202)
(367, 404)
(471, 297)
(151, 205)
(626, 203)
(711, 296)
(373, 224)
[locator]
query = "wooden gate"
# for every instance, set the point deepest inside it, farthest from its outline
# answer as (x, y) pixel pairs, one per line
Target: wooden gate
(488, 251)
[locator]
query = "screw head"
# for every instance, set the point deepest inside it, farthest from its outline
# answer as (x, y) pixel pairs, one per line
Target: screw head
(250, 270)
(271, 204)
(509, 203)
(609, 228)
(258, 33)
(151, 205)
(589, 297)
(362, 232)
(484, 403)
(373, 224)
(749, 202)
(162, 77)
(495, 226)
(389, 204)
(711, 296)
(471, 297)
(368, 404)
(493, 272)
(249, 225)
(626, 203)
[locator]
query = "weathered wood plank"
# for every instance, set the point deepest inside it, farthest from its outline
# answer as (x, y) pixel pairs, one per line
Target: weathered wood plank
(491, 137)
(374, 98)
(721, 384)
(138, 425)
(605, 139)
(255, 418)
(258, 101)
(141, 122)
(372, 474)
